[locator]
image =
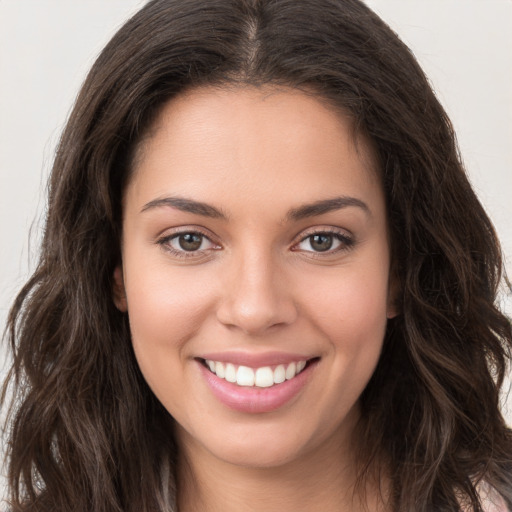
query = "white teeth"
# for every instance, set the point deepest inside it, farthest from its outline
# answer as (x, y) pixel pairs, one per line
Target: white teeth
(290, 371)
(230, 373)
(263, 377)
(219, 370)
(244, 376)
(279, 374)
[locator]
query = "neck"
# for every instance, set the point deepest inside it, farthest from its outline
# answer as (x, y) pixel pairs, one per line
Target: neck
(322, 480)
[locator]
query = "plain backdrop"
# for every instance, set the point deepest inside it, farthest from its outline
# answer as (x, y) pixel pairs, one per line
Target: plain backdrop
(47, 46)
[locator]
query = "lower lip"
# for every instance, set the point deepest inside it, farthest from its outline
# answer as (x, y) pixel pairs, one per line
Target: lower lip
(253, 399)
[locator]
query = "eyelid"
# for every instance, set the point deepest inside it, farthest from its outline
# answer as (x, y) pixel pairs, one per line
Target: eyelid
(189, 228)
(345, 237)
(164, 241)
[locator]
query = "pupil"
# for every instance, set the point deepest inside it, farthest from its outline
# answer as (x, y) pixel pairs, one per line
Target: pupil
(190, 242)
(321, 242)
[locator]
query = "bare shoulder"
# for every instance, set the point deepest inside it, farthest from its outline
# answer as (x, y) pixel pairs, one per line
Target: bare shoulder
(491, 500)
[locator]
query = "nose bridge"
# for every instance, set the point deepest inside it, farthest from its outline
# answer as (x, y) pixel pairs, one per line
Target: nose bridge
(256, 296)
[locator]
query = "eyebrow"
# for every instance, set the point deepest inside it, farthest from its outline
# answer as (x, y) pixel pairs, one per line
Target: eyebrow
(187, 205)
(326, 206)
(295, 214)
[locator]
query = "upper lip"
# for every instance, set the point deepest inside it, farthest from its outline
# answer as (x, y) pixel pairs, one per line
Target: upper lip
(255, 360)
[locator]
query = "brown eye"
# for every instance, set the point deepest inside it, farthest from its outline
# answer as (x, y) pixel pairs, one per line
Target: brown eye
(322, 242)
(187, 243)
(325, 242)
(190, 241)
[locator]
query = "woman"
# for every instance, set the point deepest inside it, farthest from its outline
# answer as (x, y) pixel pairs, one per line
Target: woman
(265, 281)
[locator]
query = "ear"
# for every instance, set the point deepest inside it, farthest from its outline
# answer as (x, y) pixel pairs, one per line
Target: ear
(392, 310)
(394, 288)
(118, 290)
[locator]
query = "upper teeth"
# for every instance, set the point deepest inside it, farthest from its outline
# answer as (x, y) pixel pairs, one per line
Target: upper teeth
(263, 377)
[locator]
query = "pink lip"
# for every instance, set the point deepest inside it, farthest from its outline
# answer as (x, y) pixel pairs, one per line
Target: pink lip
(254, 399)
(255, 360)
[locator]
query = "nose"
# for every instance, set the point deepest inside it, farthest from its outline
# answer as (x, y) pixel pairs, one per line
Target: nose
(256, 296)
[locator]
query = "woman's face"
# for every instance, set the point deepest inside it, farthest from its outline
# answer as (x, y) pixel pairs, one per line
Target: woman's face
(255, 244)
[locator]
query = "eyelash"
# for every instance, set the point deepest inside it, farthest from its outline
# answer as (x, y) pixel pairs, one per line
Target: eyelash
(346, 243)
(165, 241)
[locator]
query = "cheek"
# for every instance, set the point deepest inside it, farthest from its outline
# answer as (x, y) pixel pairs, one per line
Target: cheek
(351, 296)
(165, 311)
(350, 308)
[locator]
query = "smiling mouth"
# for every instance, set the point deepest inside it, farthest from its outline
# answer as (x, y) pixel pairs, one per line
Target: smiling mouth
(263, 377)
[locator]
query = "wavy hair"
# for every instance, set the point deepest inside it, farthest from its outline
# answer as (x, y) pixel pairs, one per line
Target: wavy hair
(85, 431)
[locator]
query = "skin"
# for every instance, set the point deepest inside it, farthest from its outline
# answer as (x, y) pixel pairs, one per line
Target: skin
(256, 285)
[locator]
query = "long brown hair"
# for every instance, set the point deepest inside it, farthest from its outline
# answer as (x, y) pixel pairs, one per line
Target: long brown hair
(85, 431)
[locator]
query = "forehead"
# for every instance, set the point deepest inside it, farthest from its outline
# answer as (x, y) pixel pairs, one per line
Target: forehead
(254, 106)
(255, 139)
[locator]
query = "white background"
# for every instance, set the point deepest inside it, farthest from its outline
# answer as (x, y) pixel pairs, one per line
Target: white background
(47, 46)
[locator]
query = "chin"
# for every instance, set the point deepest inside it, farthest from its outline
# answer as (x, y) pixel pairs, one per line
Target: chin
(271, 443)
